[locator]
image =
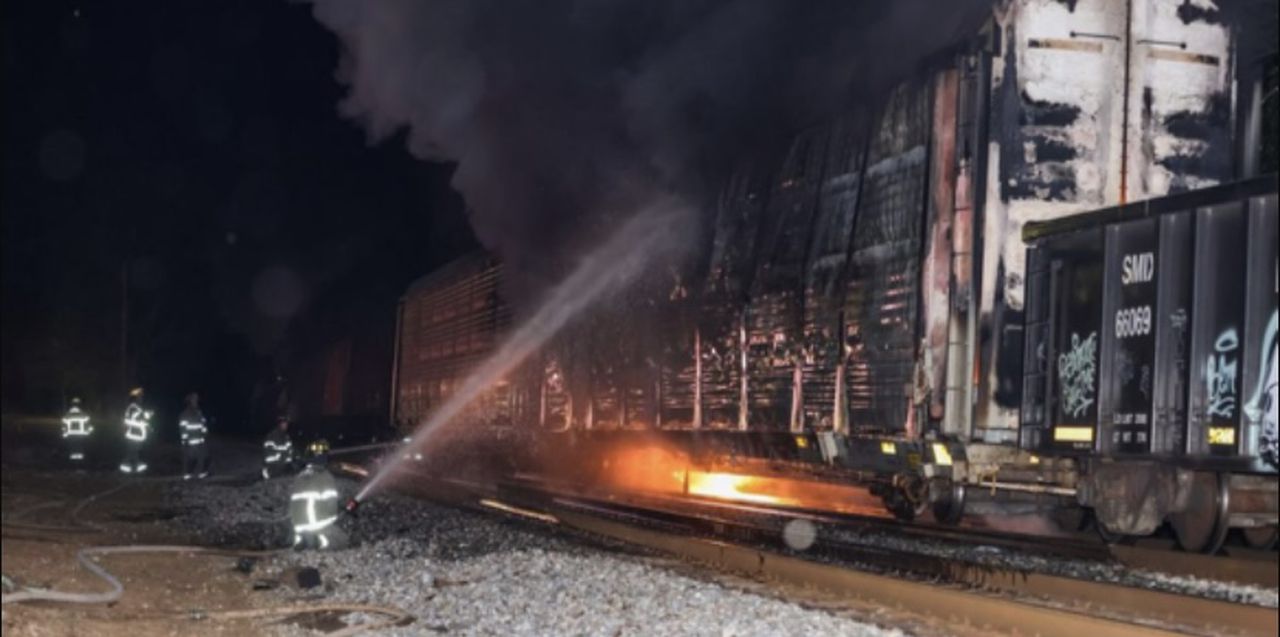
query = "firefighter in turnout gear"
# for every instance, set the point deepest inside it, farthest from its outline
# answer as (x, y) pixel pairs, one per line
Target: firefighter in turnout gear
(137, 428)
(76, 430)
(277, 451)
(313, 504)
(194, 432)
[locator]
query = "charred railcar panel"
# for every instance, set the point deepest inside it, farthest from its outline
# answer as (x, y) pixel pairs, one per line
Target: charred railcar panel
(883, 295)
(678, 399)
(822, 369)
(604, 335)
(555, 403)
(721, 332)
(775, 312)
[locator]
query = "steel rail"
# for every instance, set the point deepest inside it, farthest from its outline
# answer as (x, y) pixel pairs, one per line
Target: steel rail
(1130, 609)
(1258, 569)
(947, 604)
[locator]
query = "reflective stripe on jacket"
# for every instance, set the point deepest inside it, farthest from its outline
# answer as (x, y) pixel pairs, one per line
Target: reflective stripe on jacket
(277, 448)
(137, 422)
(192, 428)
(313, 504)
(75, 423)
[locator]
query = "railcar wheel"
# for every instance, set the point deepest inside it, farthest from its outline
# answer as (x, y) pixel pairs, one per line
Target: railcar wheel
(904, 509)
(948, 501)
(1261, 537)
(907, 502)
(1202, 527)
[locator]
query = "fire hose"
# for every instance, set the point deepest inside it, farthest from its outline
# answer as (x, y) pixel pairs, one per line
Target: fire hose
(116, 588)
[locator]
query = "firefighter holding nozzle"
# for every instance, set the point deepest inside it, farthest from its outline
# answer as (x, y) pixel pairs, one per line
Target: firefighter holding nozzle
(137, 428)
(313, 504)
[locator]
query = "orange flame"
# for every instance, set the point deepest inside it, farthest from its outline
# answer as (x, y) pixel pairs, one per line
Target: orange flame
(732, 486)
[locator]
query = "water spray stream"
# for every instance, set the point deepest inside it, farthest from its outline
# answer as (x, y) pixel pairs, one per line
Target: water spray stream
(612, 266)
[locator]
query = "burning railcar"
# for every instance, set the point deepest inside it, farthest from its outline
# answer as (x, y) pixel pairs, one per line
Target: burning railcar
(870, 310)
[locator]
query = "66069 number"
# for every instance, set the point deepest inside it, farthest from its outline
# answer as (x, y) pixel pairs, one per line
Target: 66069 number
(1133, 321)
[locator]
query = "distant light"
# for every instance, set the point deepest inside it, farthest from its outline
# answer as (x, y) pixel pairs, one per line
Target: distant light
(75, 13)
(231, 238)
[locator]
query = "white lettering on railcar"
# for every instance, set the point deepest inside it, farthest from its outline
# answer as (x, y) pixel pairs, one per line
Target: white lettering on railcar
(1137, 268)
(1133, 321)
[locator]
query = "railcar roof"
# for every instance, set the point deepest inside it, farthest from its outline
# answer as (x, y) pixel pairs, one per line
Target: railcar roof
(1236, 190)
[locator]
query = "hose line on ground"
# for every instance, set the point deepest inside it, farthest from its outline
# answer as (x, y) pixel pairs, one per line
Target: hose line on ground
(116, 589)
(394, 615)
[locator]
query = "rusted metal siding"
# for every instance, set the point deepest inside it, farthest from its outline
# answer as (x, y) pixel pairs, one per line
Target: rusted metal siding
(883, 294)
(936, 269)
(450, 321)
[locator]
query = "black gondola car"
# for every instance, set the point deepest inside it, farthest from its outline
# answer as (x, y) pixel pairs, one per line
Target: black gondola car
(1151, 355)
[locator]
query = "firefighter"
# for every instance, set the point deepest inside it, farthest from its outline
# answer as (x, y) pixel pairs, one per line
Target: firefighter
(137, 428)
(277, 450)
(193, 432)
(313, 504)
(76, 430)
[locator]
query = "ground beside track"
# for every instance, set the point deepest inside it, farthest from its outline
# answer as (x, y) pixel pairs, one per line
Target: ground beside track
(461, 572)
(456, 571)
(157, 587)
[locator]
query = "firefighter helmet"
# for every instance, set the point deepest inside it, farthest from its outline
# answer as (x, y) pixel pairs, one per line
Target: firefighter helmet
(75, 400)
(318, 450)
(135, 392)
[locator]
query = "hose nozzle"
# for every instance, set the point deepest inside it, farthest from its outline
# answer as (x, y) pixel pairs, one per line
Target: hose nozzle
(351, 505)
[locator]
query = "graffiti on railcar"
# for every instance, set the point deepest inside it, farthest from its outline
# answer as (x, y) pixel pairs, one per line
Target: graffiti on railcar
(1077, 373)
(1261, 410)
(1220, 376)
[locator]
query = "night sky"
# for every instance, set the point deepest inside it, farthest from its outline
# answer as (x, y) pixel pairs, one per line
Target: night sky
(194, 150)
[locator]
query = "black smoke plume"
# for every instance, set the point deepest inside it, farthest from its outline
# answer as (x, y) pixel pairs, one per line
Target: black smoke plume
(564, 115)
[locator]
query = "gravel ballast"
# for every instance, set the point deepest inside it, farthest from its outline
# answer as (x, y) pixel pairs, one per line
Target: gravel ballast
(461, 572)
(1078, 569)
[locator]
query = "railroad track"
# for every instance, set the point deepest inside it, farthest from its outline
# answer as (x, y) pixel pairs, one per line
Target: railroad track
(959, 609)
(960, 597)
(1247, 567)
(1259, 568)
